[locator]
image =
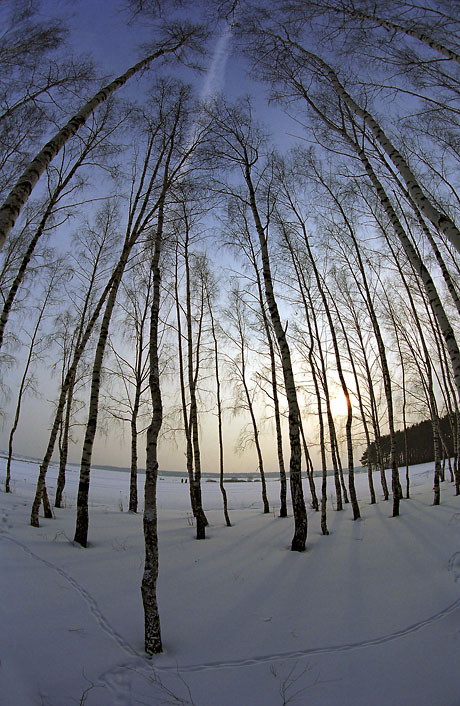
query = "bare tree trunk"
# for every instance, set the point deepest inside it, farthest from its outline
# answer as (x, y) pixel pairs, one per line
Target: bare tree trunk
(437, 464)
(440, 220)
(64, 447)
(152, 629)
(310, 471)
(22, 388)
(193, 368)
(81, 527)
(41, 487)
(426, 378)
(133, 471)
(275, 397)
(185, 415)
(34, 519)
(237, 135)
(404, 419)
(373, 407)
(298, 502)
(309, 316)
(432, 294)
(416, 262)
(351, 358)
(456, 437)
(56, 196)
(368, 300)
(141, 213)
(242, 344)
(335, 455)
(351, 472)
(219, 411)
(322, 441)
(19, 195)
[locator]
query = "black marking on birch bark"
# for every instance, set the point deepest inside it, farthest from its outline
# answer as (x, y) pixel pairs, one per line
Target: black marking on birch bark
(23, 188)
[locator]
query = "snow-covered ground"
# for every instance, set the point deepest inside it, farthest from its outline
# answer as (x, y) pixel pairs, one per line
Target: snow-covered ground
(368, 616)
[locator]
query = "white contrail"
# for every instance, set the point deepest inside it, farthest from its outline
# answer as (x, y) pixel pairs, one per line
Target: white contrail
(216, 73)
(212, 84)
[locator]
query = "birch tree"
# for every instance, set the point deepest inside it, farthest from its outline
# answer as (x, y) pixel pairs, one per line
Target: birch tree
(240, 146)
(237, 332)
(130, 368)
(165, 158)
(190, 305)
(173, 40)
(295, 217)
(39, 80)
(152, 627)
(210, 291)
(239, 231)
(94, 148)
(36, 347)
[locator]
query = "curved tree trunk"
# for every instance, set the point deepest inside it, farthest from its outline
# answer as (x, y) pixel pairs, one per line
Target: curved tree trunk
(19, 195)
(55, 197)
(34, 519)
(411, 31)
(440, 220)
(276, 404)
(140, 216)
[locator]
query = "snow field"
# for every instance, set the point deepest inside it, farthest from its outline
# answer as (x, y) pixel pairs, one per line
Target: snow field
(367, 616)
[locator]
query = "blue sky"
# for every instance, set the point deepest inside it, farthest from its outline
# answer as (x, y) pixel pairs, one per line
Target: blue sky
(100, 29)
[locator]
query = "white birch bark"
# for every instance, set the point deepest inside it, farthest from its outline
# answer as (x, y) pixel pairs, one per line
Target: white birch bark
(219, 408)
(411, 31)
(420, 268)
(41, 487)
(298, 501)
(152, 628)
(274, 384)
(17, 198)
(193, 370)
(401, 29)
(440, 220)
(23, 386)
(242, 345)
(309, 316)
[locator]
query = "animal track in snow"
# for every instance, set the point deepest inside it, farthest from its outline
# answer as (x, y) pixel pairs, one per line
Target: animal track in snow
(93, 606)
(312, 651)
(117, 679)
(454, 566)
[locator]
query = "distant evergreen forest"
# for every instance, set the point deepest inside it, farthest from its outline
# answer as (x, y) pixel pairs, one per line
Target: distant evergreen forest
(419, 440)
